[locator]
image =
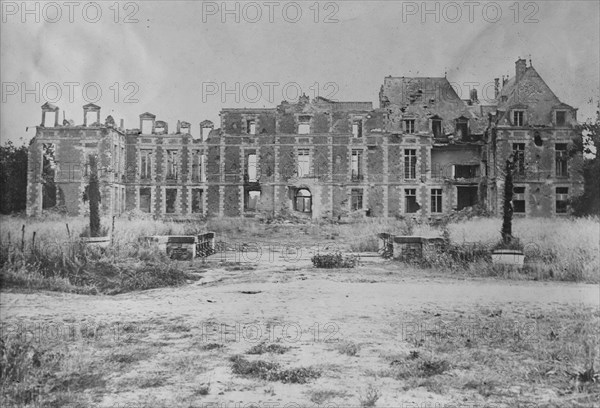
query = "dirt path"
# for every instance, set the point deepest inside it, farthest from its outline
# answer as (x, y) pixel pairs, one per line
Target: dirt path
(296, 293)
(376, 307)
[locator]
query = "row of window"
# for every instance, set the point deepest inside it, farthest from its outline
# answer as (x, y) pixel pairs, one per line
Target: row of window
(560, 159)
(409, 126)
(303, 200)
(198, 173)
(518, 118)
(561, 200)
(304, 161)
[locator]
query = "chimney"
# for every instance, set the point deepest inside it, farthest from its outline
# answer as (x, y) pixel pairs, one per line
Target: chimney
(496, 87)
(121, 124)
(520, 67)
(473, 96)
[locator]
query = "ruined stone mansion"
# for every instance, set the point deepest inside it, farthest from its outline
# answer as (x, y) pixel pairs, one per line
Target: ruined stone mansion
(423, 152)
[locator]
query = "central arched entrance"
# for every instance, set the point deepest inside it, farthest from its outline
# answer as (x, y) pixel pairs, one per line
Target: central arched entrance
(303, 200)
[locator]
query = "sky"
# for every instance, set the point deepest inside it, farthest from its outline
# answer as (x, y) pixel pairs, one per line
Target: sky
(186, 60)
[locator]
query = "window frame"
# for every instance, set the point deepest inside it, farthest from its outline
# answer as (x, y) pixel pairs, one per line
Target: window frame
(519, 197)
(518, 118)
(437, 201)
(410, 164)
(563, 198)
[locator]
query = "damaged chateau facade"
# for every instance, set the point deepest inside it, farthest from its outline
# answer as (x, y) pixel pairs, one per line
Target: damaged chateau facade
(423, 152)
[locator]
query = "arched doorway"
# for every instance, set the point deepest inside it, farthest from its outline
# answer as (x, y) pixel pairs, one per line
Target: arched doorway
(303, 200)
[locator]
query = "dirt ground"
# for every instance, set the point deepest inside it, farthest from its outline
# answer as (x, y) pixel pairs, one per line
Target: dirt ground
(356, 326)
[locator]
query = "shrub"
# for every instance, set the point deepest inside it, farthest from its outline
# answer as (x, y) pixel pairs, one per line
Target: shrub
(269, 371)
(271, 348)
(334, 260)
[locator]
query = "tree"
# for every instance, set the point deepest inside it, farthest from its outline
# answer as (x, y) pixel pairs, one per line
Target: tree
(13, 178)
(507, 207)
(588, 142)
(94, 197)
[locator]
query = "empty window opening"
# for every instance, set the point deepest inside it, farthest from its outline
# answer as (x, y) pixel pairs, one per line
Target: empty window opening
(356, 199)
(519, 158)
(197, 200)
(562, 199)
(303, 200)
(537, 139)
(146, 199)
(466, 171)
(50, 118)
(410, 200)
(462, 129)
(519, 200)
(198, 166)
(409, 126)
(356, 165)
(436, 128)
(205, 133)
(91, 118)
(466, 197)
(251, 199)
(410, 164)
(251, 172)
(303, 162)
(561, 118)
(170, 200)
(147, 126)
(436, 200)
(172, 164)
(251, 127)
(518, 118)
(357, 128)
(145, 164)
(304, 125)
(561, 160)
(48, 176)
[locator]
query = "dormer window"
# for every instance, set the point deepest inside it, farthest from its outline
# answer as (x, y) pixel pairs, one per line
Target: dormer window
(251, 127)
(518, 118)
(304, 125)
(561, 118)
(436, 127)
(462, 128)
(357, 128)
(206, 127)
(147, 126)
(409, 126)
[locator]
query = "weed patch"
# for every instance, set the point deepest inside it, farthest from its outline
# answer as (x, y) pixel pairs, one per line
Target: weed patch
(269, 371)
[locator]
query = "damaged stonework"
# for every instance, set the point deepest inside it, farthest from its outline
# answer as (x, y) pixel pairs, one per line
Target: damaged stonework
(424, 152)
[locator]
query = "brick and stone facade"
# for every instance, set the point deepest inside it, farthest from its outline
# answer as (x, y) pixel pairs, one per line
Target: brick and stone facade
(423, 152)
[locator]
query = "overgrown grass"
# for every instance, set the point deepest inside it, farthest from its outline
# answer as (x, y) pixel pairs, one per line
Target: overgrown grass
(51, 260)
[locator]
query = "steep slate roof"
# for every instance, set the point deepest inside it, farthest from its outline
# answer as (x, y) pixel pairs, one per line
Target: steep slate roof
(427, 97)
(532, 93)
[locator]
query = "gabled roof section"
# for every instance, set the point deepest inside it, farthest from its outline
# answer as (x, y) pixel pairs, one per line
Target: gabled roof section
(532, 93)
(147, 115)
(428, 97)
(91, 107)
(49, 107)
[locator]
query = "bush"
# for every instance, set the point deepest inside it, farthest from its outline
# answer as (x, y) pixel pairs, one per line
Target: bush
(269, 371)
(334, 260)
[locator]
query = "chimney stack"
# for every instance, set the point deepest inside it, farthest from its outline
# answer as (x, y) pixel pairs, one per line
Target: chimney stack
(520, 67)
(496, 87)
(473, 96)
(122, 124)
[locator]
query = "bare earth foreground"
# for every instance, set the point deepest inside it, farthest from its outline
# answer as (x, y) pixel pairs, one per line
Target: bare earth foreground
(380, 334)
